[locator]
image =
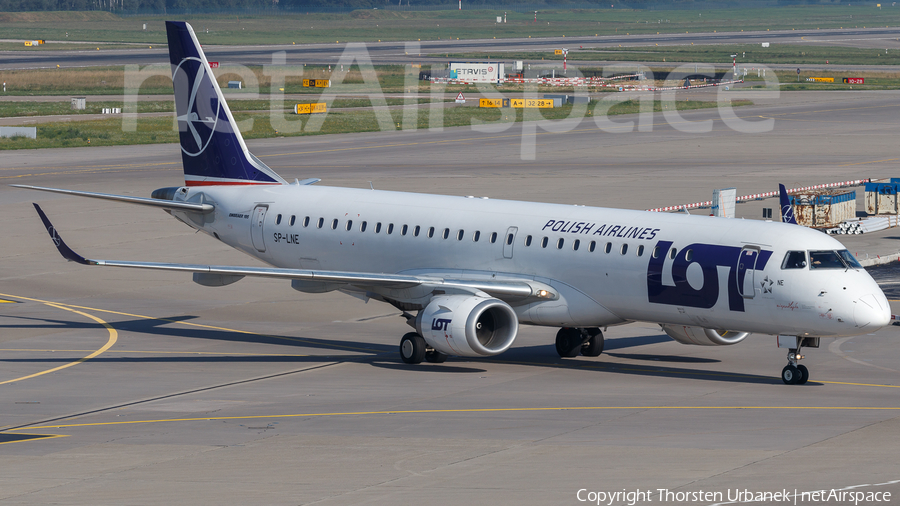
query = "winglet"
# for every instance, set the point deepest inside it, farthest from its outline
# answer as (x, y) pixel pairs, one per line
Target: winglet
(64, 249)
(787, 210)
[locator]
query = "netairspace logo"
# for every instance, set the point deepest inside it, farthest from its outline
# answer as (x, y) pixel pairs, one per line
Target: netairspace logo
(730, 496)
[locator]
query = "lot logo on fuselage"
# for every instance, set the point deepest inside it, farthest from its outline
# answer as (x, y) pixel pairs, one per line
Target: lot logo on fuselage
(709, 257)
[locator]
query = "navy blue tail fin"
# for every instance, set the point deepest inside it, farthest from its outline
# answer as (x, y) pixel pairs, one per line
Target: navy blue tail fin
(787, 210)
(212, 149)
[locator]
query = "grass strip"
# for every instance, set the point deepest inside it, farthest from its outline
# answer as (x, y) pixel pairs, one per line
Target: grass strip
(19, 109)
(108, 132)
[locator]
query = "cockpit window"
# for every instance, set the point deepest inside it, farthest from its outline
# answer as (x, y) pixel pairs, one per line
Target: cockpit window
(825, 260)
(794, 260)
(850, 259)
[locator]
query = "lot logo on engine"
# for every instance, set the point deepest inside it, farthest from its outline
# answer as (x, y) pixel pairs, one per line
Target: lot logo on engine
(440, 324)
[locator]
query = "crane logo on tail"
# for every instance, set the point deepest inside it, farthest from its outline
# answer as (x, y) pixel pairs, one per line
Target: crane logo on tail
(200, 117)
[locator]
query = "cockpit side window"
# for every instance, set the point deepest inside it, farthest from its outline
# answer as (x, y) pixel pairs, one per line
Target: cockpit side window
(794, 260)
(825, 260)
(850, 259)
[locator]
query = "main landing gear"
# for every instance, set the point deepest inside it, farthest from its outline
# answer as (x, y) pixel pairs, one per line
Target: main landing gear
(571, 341)
(795, 373)
(413, 350)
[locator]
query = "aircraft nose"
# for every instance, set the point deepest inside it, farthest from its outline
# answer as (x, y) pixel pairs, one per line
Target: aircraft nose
(872, 312)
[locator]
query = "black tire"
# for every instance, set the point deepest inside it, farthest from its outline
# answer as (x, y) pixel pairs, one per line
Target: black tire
(790, 375)
(568, 342)
(594, 346)
(412, 348)
(804, 374)
(435, 357)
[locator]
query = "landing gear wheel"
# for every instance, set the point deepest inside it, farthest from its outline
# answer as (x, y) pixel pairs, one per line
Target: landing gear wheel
(412, 348)
(568, 342)
(435, 357)
(791, 375)
(594, 346)
(804, 374)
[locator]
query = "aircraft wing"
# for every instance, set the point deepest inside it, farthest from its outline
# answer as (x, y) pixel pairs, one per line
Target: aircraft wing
(502, 289)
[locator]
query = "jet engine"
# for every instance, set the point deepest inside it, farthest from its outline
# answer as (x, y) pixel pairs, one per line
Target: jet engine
(468, 326)
(703, 337)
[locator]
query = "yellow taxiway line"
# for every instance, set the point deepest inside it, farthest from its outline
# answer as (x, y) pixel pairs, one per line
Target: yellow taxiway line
(113, 337)
(466, 410)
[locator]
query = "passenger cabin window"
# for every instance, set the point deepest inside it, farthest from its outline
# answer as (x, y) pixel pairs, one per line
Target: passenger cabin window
(390, 229)
(403, 230)
(544, 242)
(689, 255)
(378, 228)
(528, 241)
(608, 247)
(278, 220)
(446, 233)
(640, 250)
(459, 235)
(493, 237)
(559, 243)
(794, 260)
(624, 249)
(576, 244)
(306, 222)
(362, 227)
(672, 253)
(293, 218)
(334, 224)
(593, 246)
(655, 253)
(509, 239)
(825, 260)
(321, 223)
(416, 231)
(349, 225)
(430, 232)
(476, 236)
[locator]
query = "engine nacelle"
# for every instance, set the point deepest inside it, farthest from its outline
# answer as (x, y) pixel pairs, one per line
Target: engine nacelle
(468, 326)
(703, 337)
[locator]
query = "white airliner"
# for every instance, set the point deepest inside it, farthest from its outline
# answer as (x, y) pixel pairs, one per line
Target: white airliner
(467, 271)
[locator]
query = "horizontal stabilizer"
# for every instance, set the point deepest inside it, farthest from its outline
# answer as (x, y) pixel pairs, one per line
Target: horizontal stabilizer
(165, 204)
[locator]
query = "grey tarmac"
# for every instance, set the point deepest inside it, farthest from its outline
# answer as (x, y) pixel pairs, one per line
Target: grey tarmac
(257, 394)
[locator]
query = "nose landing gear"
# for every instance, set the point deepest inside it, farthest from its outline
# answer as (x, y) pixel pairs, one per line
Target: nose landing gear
(794, 373)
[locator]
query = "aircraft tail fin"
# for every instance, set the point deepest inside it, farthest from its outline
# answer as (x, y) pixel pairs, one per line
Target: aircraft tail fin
(787, 210)
(212, 149)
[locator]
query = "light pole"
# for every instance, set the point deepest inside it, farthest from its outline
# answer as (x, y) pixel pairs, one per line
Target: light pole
(734, 64)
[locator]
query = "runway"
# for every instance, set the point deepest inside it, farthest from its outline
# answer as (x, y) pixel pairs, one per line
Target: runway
(431, 50)
(158, 390)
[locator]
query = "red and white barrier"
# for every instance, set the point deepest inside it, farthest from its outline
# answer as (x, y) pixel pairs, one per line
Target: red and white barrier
(760, 196)
(544, 81)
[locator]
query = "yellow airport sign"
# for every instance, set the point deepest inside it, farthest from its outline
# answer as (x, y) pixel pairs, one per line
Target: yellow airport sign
(28, 43)
(317, 83)
(820, 79)
(532, 103)
(316, 108)
(557, 51)
(490, 102)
